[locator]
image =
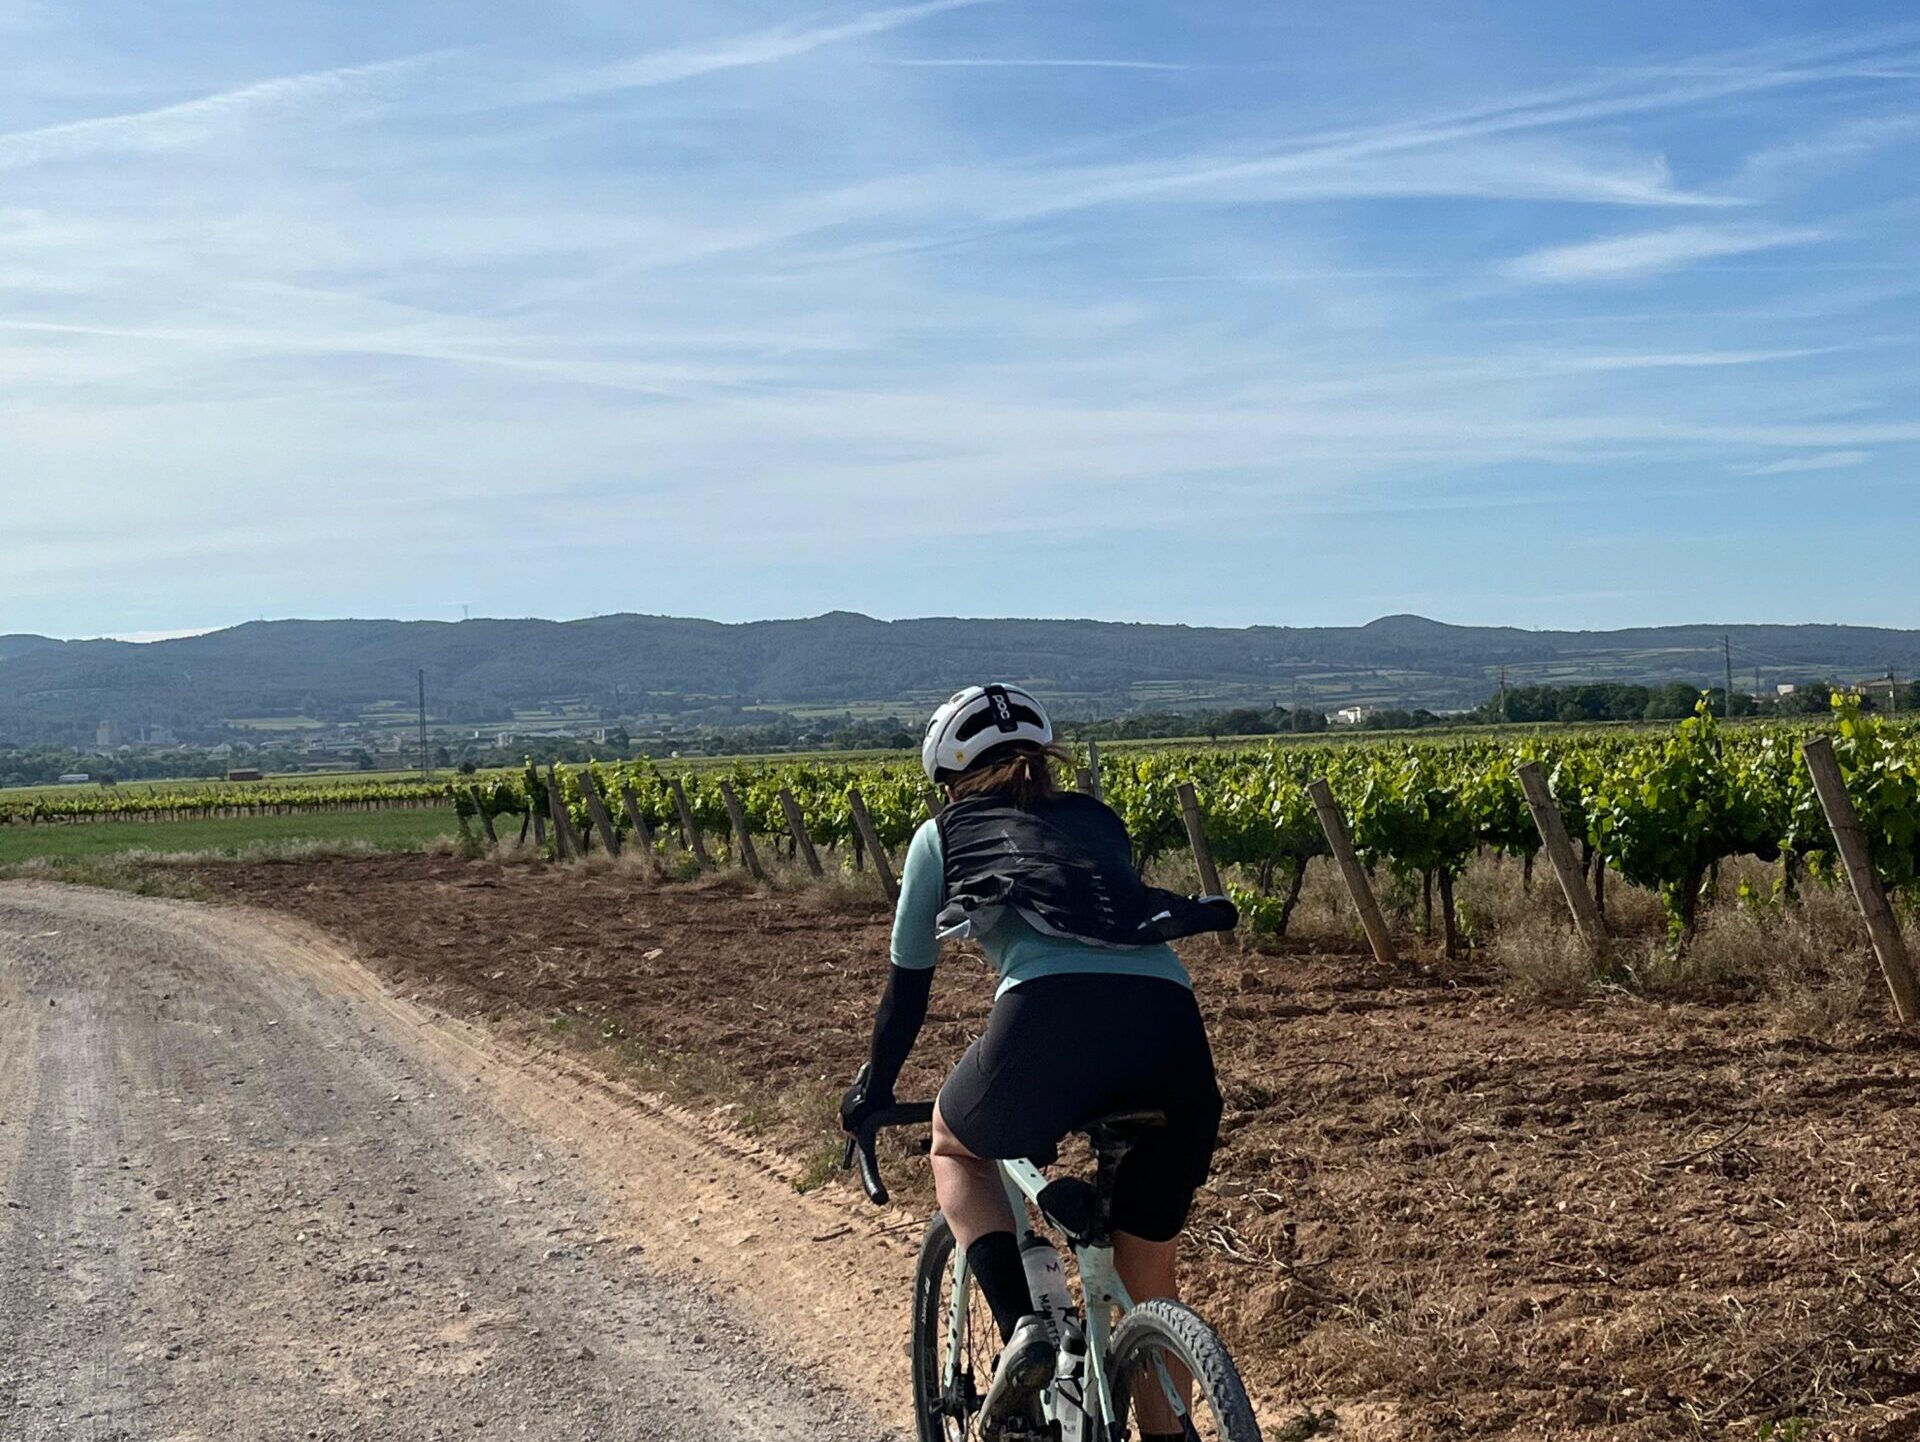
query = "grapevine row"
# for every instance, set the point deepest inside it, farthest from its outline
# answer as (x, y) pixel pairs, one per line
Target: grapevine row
(1661, 811)
(216, 799)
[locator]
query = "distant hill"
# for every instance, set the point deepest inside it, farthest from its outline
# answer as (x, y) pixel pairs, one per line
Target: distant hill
(11, 646)
(630, 664)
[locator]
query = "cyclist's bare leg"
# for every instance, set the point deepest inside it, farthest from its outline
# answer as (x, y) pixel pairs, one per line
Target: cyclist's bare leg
(968, 1188)
(1147, 1270)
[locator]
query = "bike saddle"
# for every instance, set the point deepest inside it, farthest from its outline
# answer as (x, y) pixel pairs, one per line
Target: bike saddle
(1083, 1209)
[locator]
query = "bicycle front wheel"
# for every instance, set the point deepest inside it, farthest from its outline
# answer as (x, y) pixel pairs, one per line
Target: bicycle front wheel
(953, 1347)
(1164, 1361)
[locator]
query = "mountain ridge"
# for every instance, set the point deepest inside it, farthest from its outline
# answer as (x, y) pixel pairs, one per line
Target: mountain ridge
(631, 662)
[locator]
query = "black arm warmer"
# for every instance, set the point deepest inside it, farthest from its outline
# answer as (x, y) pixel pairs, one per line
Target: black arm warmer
(896, 1025)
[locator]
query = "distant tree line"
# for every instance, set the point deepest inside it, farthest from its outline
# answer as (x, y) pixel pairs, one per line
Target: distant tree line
(1167, 725)
(1612, 701)
(45, 765)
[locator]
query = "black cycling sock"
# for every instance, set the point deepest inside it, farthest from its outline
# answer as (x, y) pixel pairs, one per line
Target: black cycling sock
(1164, 1436)
(994, 1260)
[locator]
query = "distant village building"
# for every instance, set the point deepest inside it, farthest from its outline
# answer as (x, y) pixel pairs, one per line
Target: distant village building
(106, 734)
(74, 778)
(244, 773)
(1352, 715)
(1785, 688)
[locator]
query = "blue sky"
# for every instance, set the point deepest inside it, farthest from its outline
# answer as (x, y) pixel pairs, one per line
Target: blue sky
(1548, 315)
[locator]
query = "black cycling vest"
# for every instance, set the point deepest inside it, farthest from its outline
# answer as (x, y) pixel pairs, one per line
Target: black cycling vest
(1066, 865)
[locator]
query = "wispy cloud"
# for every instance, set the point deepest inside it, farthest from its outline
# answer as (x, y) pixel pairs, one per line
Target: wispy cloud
(1823, 461)
(172, 127)
(1399, 162)
(1651, 252)
(1684, 360)
(1821, 151)
(757, 47)
(1012, 63)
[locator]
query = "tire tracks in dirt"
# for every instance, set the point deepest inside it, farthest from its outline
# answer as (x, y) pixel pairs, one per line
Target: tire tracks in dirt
(247, 1192)
(708, 1204)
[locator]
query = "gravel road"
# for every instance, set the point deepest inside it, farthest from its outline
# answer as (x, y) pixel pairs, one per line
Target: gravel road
(238, 1204)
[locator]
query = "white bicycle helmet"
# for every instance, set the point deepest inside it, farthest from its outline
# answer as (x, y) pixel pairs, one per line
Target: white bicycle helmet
(976, 721)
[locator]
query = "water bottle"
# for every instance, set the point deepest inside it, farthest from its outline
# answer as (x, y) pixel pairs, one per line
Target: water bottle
(1047, 1282)
(1069, 1385)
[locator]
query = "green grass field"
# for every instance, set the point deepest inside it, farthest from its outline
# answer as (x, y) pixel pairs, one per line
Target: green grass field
(384, 830)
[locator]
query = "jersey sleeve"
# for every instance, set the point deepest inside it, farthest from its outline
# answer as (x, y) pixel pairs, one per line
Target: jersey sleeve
(922, 884)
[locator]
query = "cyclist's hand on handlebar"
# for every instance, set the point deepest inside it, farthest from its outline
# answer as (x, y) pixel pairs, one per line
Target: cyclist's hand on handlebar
(862, 1100)
(856, 1106)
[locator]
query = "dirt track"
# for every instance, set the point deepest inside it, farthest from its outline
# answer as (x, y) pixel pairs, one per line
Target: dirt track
(243, 1193)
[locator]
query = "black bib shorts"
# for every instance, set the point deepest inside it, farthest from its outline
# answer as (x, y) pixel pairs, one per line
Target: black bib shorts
(1061, 1050)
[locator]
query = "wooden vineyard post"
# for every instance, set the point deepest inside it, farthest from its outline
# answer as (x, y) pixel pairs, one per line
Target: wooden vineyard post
(539, 823)
(597, 809)
(1084, 783)
(936, 803)
(689, 833)
(797, 826)
(1333, 822)
(742, 838)
(642, 832)
(567, 840)
(556, 813)
(1882, 927)
(1566, 867)
(1093, 771)
(881, 864)
(1197, 839)
(486, 821)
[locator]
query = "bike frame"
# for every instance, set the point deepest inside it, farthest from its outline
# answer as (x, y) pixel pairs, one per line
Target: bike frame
(1103, 1295)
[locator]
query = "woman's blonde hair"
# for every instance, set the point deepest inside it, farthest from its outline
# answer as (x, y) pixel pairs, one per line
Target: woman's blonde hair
(1021, 772)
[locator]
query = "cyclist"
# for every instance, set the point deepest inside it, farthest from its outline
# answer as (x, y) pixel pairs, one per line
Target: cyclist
(1093, 1014)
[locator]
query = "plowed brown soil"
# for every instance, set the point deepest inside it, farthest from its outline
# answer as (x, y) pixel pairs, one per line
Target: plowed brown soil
(1438, 1210)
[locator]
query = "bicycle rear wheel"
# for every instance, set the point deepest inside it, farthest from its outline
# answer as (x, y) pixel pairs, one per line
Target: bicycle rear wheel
(1157, 1348)
(944, 1407)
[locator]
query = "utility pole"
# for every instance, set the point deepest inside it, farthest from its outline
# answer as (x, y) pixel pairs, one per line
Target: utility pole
(1503, 693)
(1726, 646)
(1893, 693)
(424, 771)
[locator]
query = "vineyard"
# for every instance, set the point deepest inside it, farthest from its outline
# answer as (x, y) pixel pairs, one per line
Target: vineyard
(1660, 812)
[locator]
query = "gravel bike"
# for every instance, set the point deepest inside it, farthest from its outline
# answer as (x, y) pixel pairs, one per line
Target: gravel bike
(1120, 1364)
